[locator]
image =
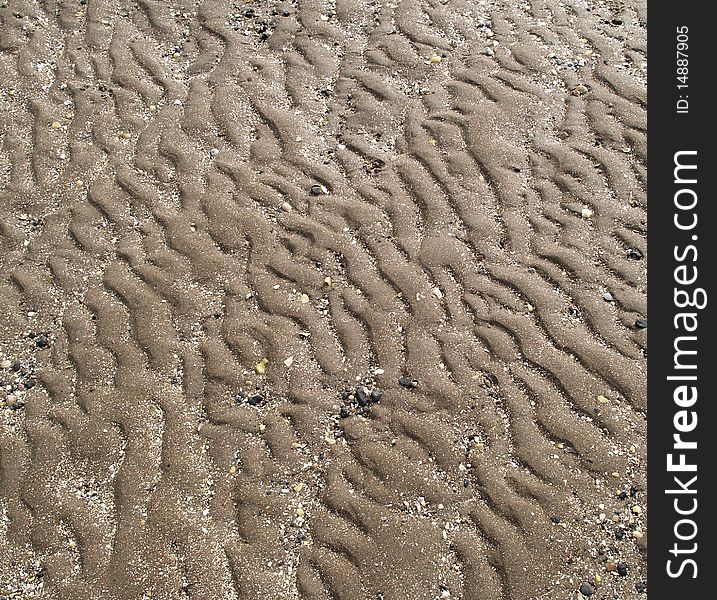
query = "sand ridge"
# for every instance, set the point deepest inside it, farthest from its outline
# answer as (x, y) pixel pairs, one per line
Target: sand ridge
(230, 222)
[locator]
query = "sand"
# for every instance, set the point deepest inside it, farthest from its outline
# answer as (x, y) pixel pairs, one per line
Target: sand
(218, 219)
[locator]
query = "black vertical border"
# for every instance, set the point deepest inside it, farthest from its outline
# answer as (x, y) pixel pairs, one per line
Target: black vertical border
(668, 133)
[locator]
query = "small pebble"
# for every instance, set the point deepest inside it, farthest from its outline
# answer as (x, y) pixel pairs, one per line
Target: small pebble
(634, 254)
(361, 396)
(254, 399)
(607, 296)
(586, 213)
(286, 207)
(375, 395)
(317, 190)
(641, 323)
(622, 569)
(586, 589)
(5, 364)
(41, 342)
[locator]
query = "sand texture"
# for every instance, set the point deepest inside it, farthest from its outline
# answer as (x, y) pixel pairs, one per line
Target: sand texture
(322, 300)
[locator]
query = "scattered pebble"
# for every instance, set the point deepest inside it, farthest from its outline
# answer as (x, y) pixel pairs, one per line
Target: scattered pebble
(586, 589)
(318, 189)
(641, 323)
(607, 296)
(586, 213)
(634, 254)
(260, 367)
(407, 382)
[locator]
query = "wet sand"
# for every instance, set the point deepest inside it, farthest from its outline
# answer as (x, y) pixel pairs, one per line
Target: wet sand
(322, 300)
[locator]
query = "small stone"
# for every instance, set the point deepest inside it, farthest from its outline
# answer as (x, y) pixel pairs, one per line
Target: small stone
(5, 364)
(579, 90)
(636, 509)
(598, 579)
(232, 469)
(434, 59)
(260, 367)
(304, 298)
(344, 412)
(289, 361)
(56, 125)
(254, 400)
(375, 395)
(555, 519)
(586, 589)
(318, 189)
(286, 207)
(586, 213)
(634, 254)
(30, 383)
(489, 52)
(213, 152)
(641, 323)
(437, 293)
(622, 569)
(640, 587)
(407, 382)
(361, 397)
(41, 342)
(607, 296)
(602, 400)
(328, 281)
(298, 487)
(611, 565)
(619, 534)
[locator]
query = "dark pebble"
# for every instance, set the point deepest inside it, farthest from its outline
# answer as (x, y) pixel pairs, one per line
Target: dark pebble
(346, 394)
(16, 366)
(361, 396)
(405, 382)
(617, 21)
(634, 254)
(41, 342)
(375, 395)
(316, 190)
(622, 569)
(641, 323)
(623, 495)
(640, 587)
(254, 399)
(29, 384)
(344, 412)
(555, 519)
(466, 483)
(619, 534)
(586, 589)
